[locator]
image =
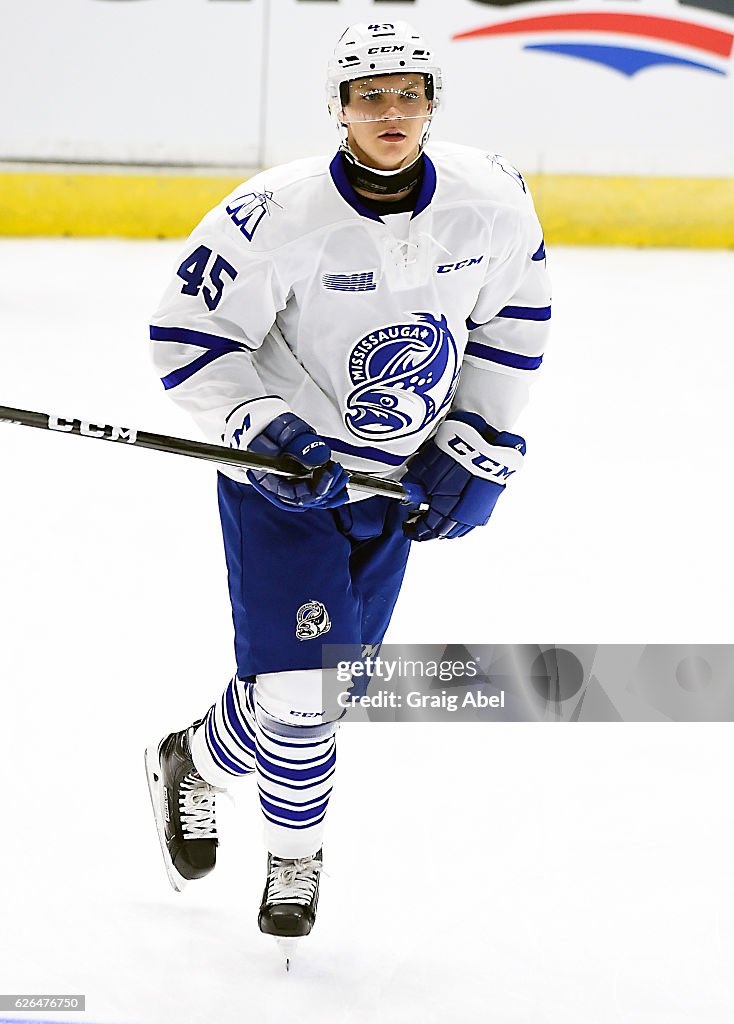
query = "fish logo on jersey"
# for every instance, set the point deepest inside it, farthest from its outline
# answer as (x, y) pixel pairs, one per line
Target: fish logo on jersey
(405, 375)
(247, 211)
(312, 619)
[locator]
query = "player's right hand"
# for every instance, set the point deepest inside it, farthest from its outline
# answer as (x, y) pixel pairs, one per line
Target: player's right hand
(289, 435)
(463, 471)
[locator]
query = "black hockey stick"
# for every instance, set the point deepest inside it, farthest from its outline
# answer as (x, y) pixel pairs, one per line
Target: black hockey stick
(281, 466)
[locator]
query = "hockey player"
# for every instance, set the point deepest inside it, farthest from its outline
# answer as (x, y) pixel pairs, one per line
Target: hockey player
(383, 310)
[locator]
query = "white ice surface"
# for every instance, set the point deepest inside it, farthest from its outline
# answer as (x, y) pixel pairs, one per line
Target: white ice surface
(511, 873)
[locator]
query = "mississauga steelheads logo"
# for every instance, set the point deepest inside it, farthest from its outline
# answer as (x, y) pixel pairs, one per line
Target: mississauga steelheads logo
(404, 376)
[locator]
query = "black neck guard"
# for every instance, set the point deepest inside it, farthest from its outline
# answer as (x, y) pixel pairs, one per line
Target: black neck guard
(398, 183)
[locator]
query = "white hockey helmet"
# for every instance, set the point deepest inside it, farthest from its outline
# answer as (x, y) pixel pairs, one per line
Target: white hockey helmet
(366, 50)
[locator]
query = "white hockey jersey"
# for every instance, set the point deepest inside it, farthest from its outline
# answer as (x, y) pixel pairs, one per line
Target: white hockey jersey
(292, 295)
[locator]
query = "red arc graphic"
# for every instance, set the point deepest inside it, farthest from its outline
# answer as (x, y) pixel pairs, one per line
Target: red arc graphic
(702, 37)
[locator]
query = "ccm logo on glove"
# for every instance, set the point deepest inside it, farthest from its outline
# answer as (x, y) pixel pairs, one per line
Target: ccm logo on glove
(317, 445)
(478, 456)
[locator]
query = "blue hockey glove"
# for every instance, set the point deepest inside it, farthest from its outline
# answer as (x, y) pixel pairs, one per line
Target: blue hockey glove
(464, 470)
(289, 435)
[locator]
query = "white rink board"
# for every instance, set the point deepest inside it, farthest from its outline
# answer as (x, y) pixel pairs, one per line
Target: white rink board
(150, 81)
(184, 81)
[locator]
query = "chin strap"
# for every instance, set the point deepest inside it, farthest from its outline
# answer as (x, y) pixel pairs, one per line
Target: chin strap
(383, 183)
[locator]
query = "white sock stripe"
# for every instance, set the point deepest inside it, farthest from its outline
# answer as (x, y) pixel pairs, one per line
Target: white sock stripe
(292, 776)
(305, 789)
(216, 758)
(239, 755)
(293, 787)
(293, 804)
(249, 689)
(291, 801)
(286, 787)
(217, 761)
(246, 714)
(231, 731)
(206, 764)
(285, 757)
(234, 749)
(301, 751)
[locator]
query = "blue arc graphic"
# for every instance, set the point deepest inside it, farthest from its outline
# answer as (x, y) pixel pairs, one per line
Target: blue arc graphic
(626, 60)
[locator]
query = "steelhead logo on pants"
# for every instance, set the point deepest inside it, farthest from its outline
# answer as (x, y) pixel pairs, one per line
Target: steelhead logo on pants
(312, 619)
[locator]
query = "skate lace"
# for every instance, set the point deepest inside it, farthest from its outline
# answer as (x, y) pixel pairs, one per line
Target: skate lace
(293, 881)
(196, 807)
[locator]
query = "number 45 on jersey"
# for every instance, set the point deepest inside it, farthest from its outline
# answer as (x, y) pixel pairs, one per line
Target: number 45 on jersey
(193, 270)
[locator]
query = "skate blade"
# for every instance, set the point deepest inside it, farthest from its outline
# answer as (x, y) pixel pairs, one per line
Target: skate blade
(152, 771)
(288, 949)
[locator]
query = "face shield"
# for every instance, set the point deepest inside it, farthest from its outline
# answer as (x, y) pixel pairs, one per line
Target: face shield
(390, 98)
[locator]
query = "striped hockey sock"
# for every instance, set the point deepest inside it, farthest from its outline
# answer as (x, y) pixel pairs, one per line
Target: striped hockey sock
(295, 769)
(223, 747)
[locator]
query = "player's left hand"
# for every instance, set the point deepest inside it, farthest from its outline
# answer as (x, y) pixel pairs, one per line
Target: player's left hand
(289, 435)
(464, 470)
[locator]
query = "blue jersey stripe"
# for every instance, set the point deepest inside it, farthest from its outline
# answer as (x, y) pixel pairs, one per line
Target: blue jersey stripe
(515, 313)
(540, 253)
(216, 346)
(525, 313)
(171, 380)
(185, 336)
(496, 355)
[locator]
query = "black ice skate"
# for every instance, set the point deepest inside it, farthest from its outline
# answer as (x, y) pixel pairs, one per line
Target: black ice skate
(288, 908)
(183, 805)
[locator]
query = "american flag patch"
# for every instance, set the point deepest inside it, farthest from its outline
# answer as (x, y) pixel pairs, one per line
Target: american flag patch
(362, 282)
